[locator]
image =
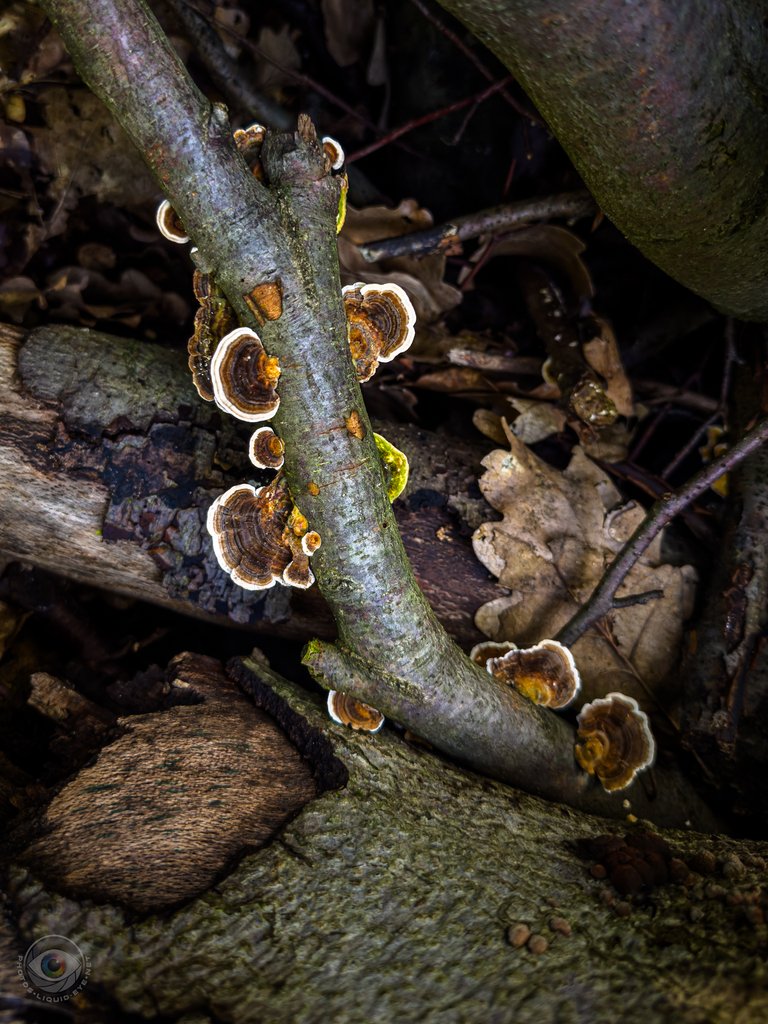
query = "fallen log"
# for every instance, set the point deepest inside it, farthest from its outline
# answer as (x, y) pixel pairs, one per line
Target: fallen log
(405, 889)
(109, 462)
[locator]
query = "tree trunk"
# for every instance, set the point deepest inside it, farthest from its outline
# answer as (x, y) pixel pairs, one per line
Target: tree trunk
(109, 461)
(662, 109)
(390, 897)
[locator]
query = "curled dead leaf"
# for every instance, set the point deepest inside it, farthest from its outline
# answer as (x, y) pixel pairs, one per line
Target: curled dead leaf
(558, 533)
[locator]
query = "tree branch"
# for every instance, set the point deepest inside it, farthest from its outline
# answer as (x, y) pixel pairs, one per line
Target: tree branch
(249, 235)
(485, 222)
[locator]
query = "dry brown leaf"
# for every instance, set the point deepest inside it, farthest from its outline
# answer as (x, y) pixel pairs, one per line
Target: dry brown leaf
(280, 57)
(348, 28)
(422, 279)
(548, 243)
(87, 153)
(536, 420)
(558, 533)
(232, 24)
(602, 354)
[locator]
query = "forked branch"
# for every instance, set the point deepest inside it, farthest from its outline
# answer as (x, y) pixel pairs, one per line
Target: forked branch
(391, 650)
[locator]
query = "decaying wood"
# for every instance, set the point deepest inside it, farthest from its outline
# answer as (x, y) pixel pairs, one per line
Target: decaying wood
(109, 461)
(166, 806)
(390, 898)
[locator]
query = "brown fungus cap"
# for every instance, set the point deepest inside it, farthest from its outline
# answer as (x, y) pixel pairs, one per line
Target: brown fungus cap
(334, 152)
(169, 224)
(249, 141)
(614, 741)
(213, 321)
(244, 377)
(481, 653)
(265, 449)
(257, 536)
(380, 324)
(545, 674)
(347, 711)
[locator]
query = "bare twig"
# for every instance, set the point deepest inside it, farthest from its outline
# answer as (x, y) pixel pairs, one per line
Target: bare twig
(663, 512)
(720, 412)
(224, 72)
(486, 222)
(434, 115)
(471, 56)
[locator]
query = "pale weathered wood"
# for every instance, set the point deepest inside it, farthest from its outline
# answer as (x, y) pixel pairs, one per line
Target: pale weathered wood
(109, 461)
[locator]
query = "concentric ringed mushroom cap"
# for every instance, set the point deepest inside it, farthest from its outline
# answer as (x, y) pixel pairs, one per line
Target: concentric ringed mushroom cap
(169, 224)
(380, 324)
(246, 525)
(614, 740)
(244, 377)
(265, 449)
(482, 653)
(545, 674)
(259, 536)
(347, 711)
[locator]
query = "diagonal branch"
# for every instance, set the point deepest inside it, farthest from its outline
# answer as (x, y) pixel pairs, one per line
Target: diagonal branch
(603, 598)
(391, 649)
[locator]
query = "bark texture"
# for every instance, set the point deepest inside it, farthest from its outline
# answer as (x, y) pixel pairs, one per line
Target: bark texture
(662, 109)
(388, 898)
(726, 679)
(109, 461)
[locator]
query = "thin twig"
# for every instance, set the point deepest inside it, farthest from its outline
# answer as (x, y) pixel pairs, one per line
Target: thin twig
(662, 513)
(485, 222)
(471, 56)
(225, 73)
(720, 412)
(418, 122)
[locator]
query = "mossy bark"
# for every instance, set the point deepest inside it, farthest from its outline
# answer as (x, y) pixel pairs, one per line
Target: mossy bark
(389, 899)
(662, 108)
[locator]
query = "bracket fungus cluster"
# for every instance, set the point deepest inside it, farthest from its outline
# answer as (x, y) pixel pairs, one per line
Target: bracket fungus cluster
(260, 538)
(614, 740)
(381, 323)
(259, 535)
(546, 673)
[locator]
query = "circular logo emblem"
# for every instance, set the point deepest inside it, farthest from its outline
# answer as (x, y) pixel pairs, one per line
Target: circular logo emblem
(53, 966)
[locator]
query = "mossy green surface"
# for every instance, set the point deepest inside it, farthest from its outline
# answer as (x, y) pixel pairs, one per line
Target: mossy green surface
(389, 900)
